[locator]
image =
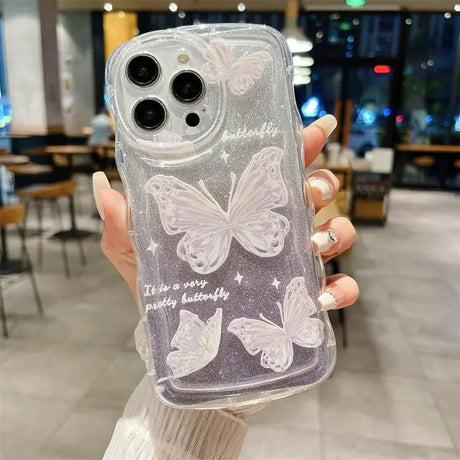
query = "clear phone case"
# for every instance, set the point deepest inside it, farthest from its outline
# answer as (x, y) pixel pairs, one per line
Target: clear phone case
(220, 218)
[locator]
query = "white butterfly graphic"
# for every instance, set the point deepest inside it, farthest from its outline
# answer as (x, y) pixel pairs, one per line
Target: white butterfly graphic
(209, 230)
(240, 74)
(275, 342)
(197, 343)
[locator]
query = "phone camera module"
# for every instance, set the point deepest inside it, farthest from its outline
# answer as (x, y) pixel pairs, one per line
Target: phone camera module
(149, 114)
(187, 86)
(143, 70)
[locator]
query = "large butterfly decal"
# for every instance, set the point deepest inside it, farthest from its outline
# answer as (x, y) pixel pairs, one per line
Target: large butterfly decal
(240, 74)
(209, 229)
(275, 342)
(197, 343)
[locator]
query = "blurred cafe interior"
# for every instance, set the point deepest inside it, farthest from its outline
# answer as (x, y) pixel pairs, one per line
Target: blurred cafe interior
(389, 71)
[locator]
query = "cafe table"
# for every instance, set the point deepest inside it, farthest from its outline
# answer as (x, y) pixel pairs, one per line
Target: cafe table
(69, 151)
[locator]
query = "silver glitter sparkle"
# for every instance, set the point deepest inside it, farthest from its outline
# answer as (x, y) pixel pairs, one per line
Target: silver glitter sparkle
(153, 247)
(225, 156)
(275, 283)
(238, 278)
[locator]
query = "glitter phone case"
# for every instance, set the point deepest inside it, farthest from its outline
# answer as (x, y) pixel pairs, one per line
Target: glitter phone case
(220, 215)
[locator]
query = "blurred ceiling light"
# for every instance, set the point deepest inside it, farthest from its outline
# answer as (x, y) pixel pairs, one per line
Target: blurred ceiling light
(457, 7)
(447, 15)
(296, 40)
(241, 7)
(108, 7)
(181, 14)
(121, 14)
(355, 3)
(408, 21)
(302, 61)
(173, 7)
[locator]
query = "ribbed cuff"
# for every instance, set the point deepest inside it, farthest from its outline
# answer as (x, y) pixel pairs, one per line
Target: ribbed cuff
(150, 430)
(197, 434)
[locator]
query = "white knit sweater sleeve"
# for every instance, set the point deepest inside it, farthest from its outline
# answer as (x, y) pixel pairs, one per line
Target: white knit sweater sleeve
(150, 430)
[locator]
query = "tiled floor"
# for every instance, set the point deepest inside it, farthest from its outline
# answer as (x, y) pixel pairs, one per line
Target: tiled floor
(395, 393)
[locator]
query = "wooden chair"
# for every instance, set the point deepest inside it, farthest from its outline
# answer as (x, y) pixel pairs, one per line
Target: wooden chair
(51, 192)
(10, 215)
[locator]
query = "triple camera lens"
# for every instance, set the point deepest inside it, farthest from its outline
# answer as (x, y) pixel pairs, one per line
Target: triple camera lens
(143, 70)
(149, 113)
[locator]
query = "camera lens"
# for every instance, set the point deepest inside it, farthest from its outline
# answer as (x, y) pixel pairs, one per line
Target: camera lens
(149, 114)
(143, 70)
(187, 86)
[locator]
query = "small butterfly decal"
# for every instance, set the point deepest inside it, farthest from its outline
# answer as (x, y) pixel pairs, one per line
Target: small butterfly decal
(197, 343)
(276, 342)
(209, 229)
(240, 74)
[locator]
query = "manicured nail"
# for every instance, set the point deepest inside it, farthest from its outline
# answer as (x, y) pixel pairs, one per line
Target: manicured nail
(323, 186)
(100, 182)
(327, 123)
(324, 240)
(328, 301)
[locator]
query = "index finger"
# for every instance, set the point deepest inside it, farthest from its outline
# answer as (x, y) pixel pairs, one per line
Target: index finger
(315, 135)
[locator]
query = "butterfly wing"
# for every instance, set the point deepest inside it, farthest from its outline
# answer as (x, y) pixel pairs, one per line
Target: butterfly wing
(197, 343)
(259, 336)
(205, 248)
(297, 309)
(263, 233)
(260, 189)
(184, 209)
(278, 356)
(219, 57)
(246, 70)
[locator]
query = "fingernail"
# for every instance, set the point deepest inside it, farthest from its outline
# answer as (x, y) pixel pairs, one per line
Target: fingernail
(324, 240)
(323, 186)
(327, 123)
(328, 301)
(100, 182)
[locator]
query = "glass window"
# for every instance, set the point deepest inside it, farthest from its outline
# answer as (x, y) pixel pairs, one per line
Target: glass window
(369, 93)
(155, 21)
(351, 35)
(430, 104)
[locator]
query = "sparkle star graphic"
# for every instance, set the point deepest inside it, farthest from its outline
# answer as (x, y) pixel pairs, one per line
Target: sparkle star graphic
(275, 283)
(153, 247)
(238, 278)
(225, 156)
